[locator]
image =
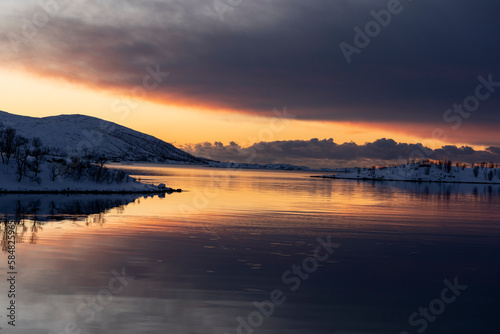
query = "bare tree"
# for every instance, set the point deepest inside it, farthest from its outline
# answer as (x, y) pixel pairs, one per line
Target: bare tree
(21, 153)
(9, 136)
(100, 160)
(56, 169)
(38, 153)
(2, 131)
(447, 165)
(475, 170)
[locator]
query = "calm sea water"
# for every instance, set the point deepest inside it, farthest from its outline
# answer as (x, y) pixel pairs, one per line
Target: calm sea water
(255, 252)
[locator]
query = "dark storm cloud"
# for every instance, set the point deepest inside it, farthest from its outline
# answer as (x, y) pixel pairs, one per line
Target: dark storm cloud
(270, 53)
(327, 153)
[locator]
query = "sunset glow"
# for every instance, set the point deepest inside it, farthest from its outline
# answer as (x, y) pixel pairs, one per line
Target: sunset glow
(190, 74)
(50, 97)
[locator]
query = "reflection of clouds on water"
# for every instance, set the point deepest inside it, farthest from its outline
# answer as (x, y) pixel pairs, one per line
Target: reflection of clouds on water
(30, 212)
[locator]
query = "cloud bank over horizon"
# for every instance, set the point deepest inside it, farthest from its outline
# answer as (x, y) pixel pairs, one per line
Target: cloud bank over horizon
(325, 153)
(282, 52)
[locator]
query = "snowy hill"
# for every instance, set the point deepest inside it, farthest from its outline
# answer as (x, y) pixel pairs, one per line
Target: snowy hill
(64, 177)
(417, 172)
(74, 134)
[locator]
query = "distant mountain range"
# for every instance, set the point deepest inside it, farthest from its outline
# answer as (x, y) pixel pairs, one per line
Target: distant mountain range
(68, 135)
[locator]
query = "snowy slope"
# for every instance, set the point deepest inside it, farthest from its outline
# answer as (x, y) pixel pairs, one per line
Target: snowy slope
(73, 134)
(66, 184)
(423, 173)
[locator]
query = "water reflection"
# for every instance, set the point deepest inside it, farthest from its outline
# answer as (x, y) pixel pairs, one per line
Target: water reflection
(443, 189)
(198, 270)
(30, 212)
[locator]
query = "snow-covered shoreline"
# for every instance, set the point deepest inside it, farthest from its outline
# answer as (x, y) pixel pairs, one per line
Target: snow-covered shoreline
(27, 166)
(416, 172)
(62, 178)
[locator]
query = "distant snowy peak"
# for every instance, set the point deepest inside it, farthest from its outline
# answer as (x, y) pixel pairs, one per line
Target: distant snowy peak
(76, 134)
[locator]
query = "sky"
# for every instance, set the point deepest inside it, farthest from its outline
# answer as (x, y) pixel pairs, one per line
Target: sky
(281, 74)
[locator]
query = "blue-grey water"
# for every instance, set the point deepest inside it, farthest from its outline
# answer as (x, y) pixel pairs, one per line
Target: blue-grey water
(255, 252)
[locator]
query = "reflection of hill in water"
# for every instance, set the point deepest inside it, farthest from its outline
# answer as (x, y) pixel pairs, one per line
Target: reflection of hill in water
(60, 207)
(443, 189)
(29, 212)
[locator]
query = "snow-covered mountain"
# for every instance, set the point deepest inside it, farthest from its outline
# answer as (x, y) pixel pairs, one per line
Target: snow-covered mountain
(75, 134)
